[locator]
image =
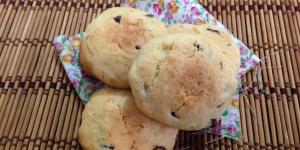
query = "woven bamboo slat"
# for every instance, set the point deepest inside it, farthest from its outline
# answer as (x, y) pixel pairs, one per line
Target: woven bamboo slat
(39, 109)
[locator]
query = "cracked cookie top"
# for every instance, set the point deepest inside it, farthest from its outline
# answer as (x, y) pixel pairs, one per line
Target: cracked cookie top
(182, 80)
(111, 121)
(223, 39)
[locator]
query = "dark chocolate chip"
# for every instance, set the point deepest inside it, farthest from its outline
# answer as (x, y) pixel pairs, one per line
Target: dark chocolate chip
(214, 122)
(117, 19)
(159, 148)
(221, 64)
(174, 114)
(198, 46)
(108, 146)
(137, 47)
(212, 30)
(146, 87)
(220, 105)
(150, 15)
(229, 44)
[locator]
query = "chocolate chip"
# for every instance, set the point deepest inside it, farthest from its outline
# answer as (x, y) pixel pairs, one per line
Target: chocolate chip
(174, 115)
(229, 44)
(146, 87)
(212, 30)
(137, 47)
(150, 15)
(220, 105)
(214, 122)
(159, 148)
(117, 19)
(221, 64)
(198, 46)
(108, 146)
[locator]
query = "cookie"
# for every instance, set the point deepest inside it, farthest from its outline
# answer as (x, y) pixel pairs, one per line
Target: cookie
(182, 80)
(113, 40)
(111, 121)
(223, 39)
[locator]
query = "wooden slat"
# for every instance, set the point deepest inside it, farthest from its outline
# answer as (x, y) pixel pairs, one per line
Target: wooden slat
(40, 110)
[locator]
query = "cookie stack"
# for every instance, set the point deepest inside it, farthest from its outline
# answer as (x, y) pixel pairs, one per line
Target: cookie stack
(158, 80)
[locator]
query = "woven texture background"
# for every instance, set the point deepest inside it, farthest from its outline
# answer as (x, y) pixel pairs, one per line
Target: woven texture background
(39, 109)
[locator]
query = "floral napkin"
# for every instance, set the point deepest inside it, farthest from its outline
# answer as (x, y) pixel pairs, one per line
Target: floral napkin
(169, 12)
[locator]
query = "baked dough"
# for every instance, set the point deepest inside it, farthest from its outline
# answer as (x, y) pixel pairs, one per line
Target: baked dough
(218, 36)
(113, 40)
(182, 80)
(111, 121)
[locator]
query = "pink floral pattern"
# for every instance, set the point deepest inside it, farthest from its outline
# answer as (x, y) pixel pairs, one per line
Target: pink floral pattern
(68, 49)
(156, 9)
(195, 11)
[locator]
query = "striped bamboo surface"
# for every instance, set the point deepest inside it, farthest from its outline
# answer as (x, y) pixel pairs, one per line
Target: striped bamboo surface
(39, 109)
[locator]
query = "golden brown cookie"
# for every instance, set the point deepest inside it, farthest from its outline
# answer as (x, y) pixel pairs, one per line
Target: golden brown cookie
(182, 80)
(218, 36)
(112, 41)
(111, 121)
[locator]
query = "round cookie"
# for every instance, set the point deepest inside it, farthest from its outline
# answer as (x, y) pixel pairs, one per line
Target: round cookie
(111, 121)
(113, 40)
(218, 36)
(182, 80)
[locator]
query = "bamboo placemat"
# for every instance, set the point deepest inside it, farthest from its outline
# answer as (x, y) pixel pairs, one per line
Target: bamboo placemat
(39, 109)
